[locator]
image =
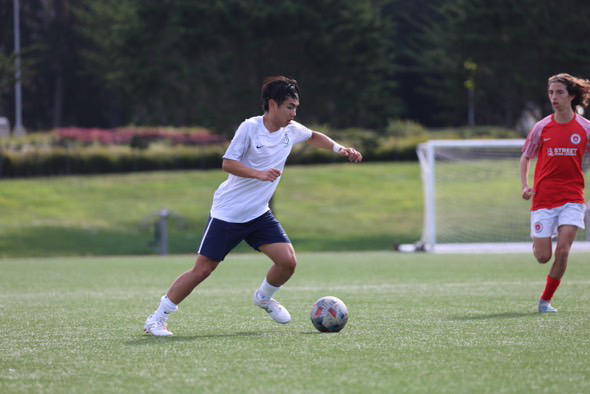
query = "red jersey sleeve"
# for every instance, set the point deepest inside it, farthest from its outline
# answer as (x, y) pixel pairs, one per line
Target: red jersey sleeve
(533, 141)
(585, 123)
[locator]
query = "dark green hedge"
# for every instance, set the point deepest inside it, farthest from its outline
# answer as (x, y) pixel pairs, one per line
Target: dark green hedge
(61, 161)
(39, 155)
(99, 160)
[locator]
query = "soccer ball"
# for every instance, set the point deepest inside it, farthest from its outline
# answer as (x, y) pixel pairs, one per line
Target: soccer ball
(329, 314)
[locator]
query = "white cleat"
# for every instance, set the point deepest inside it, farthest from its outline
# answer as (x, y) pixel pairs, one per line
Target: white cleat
(156, 327)
(545, 307)
(278, 312)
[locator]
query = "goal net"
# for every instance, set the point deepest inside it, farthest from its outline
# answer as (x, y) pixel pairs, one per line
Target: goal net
(472, 196)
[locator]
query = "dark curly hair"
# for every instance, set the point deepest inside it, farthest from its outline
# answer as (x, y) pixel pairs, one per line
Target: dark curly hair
(577, 87)
(278, 88)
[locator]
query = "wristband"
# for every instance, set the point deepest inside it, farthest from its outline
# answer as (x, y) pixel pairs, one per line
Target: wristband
(336, 148)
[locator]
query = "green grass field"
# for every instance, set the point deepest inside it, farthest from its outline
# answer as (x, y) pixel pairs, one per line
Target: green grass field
(418, 324)
(323, 207)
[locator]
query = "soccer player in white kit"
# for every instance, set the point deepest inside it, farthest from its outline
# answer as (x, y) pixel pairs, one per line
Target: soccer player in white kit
(240, 211)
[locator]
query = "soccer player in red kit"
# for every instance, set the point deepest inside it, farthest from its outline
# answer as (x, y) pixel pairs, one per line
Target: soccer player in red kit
(559, 142)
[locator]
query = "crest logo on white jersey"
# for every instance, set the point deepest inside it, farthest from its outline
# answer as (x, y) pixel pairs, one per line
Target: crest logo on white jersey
(575, 139)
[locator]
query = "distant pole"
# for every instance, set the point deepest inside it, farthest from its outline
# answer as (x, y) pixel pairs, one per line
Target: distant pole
(164, 232)
(18, 121)
(470, 66)
(470, 108)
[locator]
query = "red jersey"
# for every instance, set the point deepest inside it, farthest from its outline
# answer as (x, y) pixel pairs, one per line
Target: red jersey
(559, 148)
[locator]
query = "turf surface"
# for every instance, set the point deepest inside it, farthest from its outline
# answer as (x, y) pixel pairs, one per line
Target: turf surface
(418, 323)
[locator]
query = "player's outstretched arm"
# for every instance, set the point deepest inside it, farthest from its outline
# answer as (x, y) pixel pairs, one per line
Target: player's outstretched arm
(320, 140)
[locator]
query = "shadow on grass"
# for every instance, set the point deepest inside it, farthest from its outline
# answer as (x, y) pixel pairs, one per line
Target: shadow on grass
(505, 315)
(149, 339)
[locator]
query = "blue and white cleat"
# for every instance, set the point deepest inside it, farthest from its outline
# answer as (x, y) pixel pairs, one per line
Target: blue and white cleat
(545, 307)
(156, 327)
(276, 311)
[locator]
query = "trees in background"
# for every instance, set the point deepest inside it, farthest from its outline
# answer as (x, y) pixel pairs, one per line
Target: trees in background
(182, 62)
(515, 46)
(360, 63)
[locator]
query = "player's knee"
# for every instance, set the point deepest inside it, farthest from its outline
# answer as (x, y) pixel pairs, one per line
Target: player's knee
(289, 264)
(204, 268)
(287, 260)
(543, 258)
(292, 264)
(203, 272)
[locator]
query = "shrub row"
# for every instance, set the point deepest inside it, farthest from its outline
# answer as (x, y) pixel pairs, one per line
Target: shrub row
(98, 160)
(113, 159)
(100, 151)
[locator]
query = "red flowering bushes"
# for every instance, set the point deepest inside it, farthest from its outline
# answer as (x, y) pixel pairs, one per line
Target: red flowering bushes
(136, 137)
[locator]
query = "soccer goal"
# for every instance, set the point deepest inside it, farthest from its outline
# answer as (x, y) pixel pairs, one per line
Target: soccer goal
(472, 197)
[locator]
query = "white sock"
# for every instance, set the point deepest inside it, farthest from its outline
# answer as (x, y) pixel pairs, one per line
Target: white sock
(166, 308)
(266, 290)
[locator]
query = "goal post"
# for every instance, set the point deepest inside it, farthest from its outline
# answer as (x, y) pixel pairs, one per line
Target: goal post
(472, 196)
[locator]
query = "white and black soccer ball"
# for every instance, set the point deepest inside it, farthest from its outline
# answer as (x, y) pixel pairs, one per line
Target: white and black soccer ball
(329, 314)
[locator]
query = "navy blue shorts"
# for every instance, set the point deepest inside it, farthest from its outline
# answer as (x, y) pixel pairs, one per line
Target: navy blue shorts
(221, 237)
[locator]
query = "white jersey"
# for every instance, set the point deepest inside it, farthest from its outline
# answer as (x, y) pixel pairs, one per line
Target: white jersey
(239, 200)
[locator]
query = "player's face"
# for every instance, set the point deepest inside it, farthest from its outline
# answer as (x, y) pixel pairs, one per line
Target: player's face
(287, 111)
(559, 97)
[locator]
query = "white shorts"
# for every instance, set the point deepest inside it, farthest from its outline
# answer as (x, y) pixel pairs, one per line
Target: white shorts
(545, 222)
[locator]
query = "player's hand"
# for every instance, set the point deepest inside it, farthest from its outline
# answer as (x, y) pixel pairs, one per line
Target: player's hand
(527, 192)
(352, 154)
(268, 175)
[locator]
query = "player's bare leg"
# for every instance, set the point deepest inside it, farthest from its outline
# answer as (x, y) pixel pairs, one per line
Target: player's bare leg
(284, 263)
(565, 239)
(542, 249)
(156, 323)
(187, 282)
